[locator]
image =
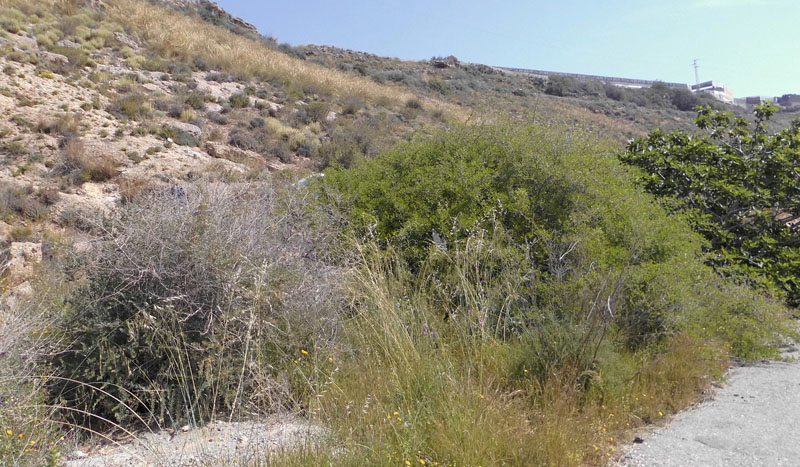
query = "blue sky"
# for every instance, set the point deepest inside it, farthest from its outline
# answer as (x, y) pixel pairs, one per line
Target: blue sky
(752, 46)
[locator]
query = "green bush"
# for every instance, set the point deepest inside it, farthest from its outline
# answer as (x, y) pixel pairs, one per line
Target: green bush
(574, 226)
(561, 86)
(239, 101)
(452, 184)
(134, 106)
(738, 185)
(317, 111)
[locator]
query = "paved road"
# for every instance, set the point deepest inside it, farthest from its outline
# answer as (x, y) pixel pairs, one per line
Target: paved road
(753, 421)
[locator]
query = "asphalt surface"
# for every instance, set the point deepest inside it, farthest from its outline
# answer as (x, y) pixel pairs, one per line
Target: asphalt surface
(754, 420)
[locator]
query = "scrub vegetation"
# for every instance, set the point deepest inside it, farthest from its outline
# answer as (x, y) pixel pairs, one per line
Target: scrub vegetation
(454, 291)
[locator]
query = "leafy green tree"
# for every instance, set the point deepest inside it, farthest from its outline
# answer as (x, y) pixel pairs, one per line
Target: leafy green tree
(741, 187)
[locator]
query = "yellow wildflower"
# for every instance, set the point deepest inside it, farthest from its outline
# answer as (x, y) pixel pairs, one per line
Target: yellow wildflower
(304, 351)
(9, 432)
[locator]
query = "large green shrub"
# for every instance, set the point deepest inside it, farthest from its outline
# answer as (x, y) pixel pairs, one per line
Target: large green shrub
(452, 184)
(739, 185)
(579, 243)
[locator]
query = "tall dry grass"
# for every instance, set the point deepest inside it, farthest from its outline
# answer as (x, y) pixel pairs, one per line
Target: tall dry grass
(29, 434)
(174, 35)
(421, 391)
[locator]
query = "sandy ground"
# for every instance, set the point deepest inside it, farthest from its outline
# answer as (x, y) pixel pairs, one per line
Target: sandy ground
(753, 421)
(219, 443)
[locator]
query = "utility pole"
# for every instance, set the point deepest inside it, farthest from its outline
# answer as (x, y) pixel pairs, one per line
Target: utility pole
(696, 74)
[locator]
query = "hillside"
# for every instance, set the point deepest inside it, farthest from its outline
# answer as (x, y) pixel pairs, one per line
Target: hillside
(475, 280)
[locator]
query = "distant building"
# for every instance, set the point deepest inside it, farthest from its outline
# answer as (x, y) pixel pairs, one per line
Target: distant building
(789, 100)
(752, 101)
(716, 89)
(621, 82)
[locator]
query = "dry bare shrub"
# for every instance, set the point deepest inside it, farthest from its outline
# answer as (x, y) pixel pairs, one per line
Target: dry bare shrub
(81, 167)
(133, 188)
(67, 125)
(133, 105)
(203, 298)
(22, 201)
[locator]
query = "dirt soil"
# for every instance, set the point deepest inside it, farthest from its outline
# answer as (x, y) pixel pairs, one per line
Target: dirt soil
(219, 443)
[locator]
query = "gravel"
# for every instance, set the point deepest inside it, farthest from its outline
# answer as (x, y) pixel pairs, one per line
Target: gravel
(219, 443)
(753, 421)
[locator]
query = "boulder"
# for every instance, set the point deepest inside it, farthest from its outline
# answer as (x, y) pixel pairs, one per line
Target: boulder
(16, 297)
(213, 107)
(182, 127)
(265, 104)
(4, 230)
(24, 40)
(67, 44)
(230, 153)
(125, 39)
(22, 260)
(54, 58)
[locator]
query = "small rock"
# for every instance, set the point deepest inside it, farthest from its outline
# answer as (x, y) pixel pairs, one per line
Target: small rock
(184, 428)
(16, 296)
(151, 87)
(638, 440)
(193, 130)
(330, 117)
(78, 454)
(213, 107)
(4, 230)
(54, 58)
(195, 155)
(67, 44)
(263, 103)
(124, 39)
(25, 40)
(223, 151)
(23, 257)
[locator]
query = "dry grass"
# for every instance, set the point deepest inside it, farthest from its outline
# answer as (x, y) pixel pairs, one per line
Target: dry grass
(84, 167)
(133, 188)
(174, 35)
(28, 434)
(419, 391)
